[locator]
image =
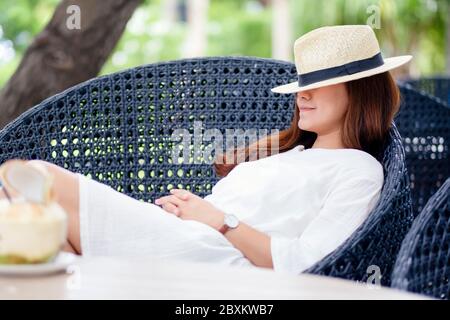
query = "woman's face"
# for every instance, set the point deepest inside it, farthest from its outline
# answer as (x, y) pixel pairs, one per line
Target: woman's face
(329, 107)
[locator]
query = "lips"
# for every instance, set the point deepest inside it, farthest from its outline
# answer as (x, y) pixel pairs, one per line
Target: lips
(306, 108)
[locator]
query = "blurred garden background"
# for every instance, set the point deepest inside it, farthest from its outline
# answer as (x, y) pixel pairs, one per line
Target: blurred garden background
(39, 57)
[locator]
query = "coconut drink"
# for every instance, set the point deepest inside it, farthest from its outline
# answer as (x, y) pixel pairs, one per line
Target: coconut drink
(33, 227)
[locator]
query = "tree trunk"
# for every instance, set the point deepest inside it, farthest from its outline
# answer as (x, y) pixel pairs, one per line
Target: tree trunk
(60, 56)
(170, 12)
(282, 42)
(197, 19)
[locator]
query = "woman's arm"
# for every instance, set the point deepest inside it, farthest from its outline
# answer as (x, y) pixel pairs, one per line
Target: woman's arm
(344, 210)
(255, 245)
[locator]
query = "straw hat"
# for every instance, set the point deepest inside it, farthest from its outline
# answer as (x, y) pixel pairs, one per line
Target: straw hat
(335, 54)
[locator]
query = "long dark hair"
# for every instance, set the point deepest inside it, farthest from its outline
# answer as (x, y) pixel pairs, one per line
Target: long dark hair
(373, 103)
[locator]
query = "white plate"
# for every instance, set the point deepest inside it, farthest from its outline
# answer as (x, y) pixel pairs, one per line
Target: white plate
(59, 264)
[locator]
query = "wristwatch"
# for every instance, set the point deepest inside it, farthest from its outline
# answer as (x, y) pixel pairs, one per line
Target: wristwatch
(230, 221)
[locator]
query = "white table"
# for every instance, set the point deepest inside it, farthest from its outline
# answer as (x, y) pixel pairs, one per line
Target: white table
(112, 278)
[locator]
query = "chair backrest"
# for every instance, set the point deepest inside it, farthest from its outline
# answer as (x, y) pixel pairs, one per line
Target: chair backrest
(423, 263)
(118, 130)
(438, 87)
(424, 124)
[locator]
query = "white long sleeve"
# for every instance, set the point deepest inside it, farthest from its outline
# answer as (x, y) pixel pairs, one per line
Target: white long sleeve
(345, 209)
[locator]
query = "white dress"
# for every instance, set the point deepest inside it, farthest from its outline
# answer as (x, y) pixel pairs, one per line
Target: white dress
(309, 202)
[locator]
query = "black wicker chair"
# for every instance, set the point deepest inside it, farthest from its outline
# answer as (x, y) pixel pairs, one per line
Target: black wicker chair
(117, 129)
(438, 87)
(424, 124)
(423, 263)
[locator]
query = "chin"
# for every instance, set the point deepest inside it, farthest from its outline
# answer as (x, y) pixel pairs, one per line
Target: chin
(304, 126)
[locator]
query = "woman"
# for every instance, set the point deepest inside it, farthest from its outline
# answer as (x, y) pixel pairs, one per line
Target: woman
(285, 211)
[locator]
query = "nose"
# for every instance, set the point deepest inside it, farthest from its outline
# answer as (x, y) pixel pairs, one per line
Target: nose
(305, 95)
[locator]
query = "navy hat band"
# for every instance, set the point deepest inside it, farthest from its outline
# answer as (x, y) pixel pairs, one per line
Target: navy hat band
(342, 70)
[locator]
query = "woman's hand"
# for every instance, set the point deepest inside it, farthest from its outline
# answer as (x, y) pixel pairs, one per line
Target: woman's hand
(189, 206)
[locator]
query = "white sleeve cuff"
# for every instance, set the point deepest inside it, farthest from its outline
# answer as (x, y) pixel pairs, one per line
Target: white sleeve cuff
(291, 255)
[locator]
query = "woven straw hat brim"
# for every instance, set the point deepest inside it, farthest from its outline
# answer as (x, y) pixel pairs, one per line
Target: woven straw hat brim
(389, 64)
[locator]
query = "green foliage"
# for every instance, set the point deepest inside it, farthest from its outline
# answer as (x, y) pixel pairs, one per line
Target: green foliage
(243, 27)
(239, 28)
(21, 20)
(416, 27)
(147, 39)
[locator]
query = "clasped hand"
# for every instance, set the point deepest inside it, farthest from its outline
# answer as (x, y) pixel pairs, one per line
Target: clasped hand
(188, 206)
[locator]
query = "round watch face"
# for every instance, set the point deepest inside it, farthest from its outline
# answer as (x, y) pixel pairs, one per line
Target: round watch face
(231, 221)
